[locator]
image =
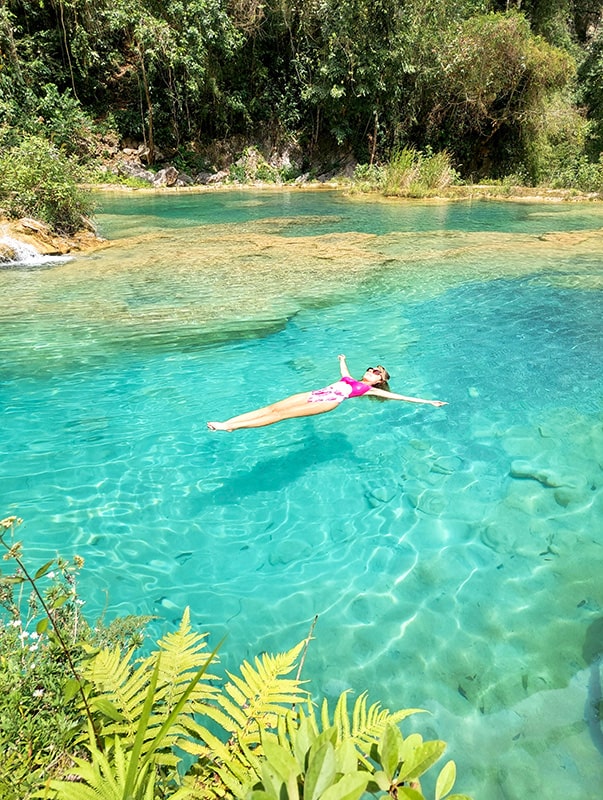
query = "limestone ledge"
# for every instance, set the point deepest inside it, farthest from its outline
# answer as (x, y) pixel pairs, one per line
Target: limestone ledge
(39, 235)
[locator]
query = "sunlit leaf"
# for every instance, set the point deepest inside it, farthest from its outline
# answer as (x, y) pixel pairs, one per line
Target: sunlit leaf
(43, 569)
(70, 689)
(42, 626)
(445, 780)
(321, 772)
(350, 787)
(390, 750)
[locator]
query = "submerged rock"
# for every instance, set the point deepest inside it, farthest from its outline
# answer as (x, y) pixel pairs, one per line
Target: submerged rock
(525, 470)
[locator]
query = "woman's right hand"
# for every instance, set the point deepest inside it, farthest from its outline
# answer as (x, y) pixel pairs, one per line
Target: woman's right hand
(341, 358)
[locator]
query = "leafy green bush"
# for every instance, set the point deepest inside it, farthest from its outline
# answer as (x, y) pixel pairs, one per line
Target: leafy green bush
(578, 173)
(557, 149)
(368, 177)
(411, 173)
(61, 119)
(39, 181)
(493, 80)
(590, 90)
(252, 166)
(38, 727)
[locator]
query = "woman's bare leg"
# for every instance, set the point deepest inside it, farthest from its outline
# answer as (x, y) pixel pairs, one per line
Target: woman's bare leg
(295, 406)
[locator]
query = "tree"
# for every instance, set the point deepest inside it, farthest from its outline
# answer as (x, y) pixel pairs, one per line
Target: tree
(494, 80)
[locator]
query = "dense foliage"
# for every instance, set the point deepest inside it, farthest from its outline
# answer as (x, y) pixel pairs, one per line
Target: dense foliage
(84, 715)
(39, 180)
(38, 726)
(484, 80)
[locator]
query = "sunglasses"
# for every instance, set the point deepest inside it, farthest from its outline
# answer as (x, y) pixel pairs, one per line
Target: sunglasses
(375, 370)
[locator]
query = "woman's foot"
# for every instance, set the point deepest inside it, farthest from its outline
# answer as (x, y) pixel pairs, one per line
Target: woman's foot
(217, 426)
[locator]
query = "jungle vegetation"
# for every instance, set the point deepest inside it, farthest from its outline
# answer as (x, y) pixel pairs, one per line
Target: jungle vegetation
(501, 87)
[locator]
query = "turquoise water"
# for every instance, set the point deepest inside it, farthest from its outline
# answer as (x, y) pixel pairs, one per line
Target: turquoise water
(450, 554)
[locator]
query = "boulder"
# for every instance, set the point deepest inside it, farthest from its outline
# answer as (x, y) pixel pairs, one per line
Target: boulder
(34, 225)
(168, 176)
(202, 178)
(184, 180)
(218, 177)
(134, 169)
(7, 253)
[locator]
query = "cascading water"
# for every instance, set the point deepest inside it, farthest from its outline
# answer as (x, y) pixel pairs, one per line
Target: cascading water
(17, 254)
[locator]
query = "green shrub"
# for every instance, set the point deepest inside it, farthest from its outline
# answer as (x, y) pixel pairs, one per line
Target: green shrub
(252, 166)
(557, 149)
(412, 173)
(368, 177)
(38, 727)
(61, 119)
(39, 181)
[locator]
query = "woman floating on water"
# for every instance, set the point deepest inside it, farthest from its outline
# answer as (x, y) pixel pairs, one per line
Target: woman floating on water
(373, 383)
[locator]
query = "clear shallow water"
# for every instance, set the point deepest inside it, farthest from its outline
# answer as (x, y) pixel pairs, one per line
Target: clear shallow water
(451, 554)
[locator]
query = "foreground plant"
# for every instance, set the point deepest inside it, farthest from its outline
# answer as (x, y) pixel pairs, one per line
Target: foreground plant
(348, 758)
(256, 738)
(163, 726)
(42, 637)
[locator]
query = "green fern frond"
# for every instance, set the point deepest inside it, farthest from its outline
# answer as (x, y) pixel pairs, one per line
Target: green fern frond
(249, 703)
(182, 652)
(228, 715)
(367, 723)
(341, 719)
(104, 777)
(261, 693)
(111, 675)
(119, 691)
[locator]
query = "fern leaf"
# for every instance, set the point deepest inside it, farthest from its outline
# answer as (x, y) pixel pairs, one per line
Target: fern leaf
(70, 790)
(108, 667)
(228, 715)
(367, 723)
(114, 682)
(211, 746)
(262, 691)
(341, 719)
(120, 690)
(398, 716)
(183, 652)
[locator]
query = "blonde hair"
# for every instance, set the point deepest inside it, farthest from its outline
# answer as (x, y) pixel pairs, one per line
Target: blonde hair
(383, 384)
(385, 375)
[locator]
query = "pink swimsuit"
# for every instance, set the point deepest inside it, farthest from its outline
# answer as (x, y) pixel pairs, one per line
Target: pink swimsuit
(339, 391)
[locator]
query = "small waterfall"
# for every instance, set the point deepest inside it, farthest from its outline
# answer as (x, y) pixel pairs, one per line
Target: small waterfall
(15, 253)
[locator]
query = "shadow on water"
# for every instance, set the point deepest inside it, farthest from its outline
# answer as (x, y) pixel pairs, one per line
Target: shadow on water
(592, 652)
(274, 474)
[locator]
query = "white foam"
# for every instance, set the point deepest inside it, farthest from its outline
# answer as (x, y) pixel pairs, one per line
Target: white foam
(26, 255)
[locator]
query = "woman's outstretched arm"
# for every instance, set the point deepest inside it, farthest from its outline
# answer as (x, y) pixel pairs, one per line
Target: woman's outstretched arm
(345, 372)
(394, 396)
